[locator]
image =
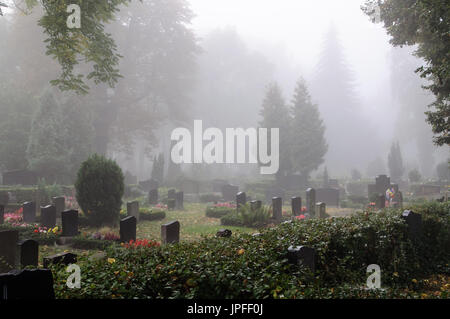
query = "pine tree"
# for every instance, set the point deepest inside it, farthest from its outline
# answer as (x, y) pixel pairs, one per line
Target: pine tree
(275, 114)
(158, 168)
(308, 145)
(395, 162)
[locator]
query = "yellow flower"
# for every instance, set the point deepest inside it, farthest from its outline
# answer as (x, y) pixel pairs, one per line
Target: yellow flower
(241, 251)
(424, 295)
(395, 274)
(414, 281)
(111, 260)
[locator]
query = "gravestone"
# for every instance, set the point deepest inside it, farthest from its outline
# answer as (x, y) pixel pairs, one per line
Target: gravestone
(414, 222)
(61, 258)
(302, 256)
(321, 210)
(171, 193)
(153, 196)
(241, 199)
(128, 229)
(311, 202)
(171, 203)
(8, 249)
(170, 232)
(224, 233)
(179, 200)
(329, 196)
(296, 204)
(69, 223)
(277, 207)
(28, 253)
(382, 182)
(255, 204)
(133, 209)
(29, 212)
(48, 216)
(381, 202)
(2, 214)
(4, 198)
(371, 189)
(28, 284)
(229, 192)
(60, 205)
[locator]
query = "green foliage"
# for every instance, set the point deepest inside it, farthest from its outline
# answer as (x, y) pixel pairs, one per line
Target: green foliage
(150, 215)
(158, 168)
(247, 267)
(210, 197)
(218, 212)
(425, 24)
(443, 171)
(307, 138)
(99, 190)
(395, 162)
(248, 217)
(414, 176)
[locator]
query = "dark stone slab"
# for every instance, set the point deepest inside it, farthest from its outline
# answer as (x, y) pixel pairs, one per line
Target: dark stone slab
(329, 196)
(28, 253)
(224, 233)
(153, 196)
(311, 201)
(255, 204)
(60, 205)
(179, 200)
(170, 232)
(381, 202)
(8, 249)
(414, 222)
(277, 209)
(133, 209)
(296, 204)
(171, 204)
(69, 223)
(321, 210)
(62, 258)
(171, 194)
(29, 212)
(128, 229)
(2, 214)
(48, 216)
(31, 284)
(302, 256)
(241, 199)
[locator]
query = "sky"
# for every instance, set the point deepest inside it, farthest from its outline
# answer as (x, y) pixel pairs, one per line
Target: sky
(297, 28)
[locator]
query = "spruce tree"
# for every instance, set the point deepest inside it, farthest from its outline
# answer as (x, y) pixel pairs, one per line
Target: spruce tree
(395, 162)
(308, 144)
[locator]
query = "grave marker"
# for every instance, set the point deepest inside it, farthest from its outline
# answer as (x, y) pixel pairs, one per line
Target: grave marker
(28, 284)
(69, 223)
(60, 205)
(241, 199)
(48, 216)
(29, 212)
(414, 222)
(296, 204)
(28, 253)
(61, 258)
(302, 256)
(179, 200)
(311, 201)
(153, 196)
(321, 210)
(133, 209)
(128, 229)
(8, 248)
(277, 207)
(2, 214)
(170, 232)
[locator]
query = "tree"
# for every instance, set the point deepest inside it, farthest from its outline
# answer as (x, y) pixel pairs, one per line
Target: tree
(395, 162)
(158, 168)
(46, 152)
(414, 176)
(423, 23)
(275, 114)
(443, 171)
(307, 138)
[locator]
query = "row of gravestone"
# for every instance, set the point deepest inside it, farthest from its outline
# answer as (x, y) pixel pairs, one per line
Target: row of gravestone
(382, 184)
(38, 283)
(175, 200)
(313, 209)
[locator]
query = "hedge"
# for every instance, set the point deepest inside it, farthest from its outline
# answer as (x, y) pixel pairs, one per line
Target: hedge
(151, 215)
(245, 266)
(218, 212)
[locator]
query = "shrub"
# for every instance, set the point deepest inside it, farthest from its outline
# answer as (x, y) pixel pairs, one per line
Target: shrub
(220, 210)
(210, 197)
(100, 187)
(246, 216)
(153, 214)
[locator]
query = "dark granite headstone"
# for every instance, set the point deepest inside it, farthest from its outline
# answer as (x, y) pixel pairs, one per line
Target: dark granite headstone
(311, 202)
(170, 232)
(48, 216)
(382, 182)
(179, 200)
(296, 204)
(171, 203)
(8, 249)
(302, 256)
(381, 201)
(62, 258)
(414, 222)
(28, 253)
(69, 223)
(224, 233)
(128, 229)
(60, 205)
(29, 212)
(28, 284)
(133, 209)
(277, 208)
(241, 199)
(2, 214)
(229, 192)
(153, 196)
(255, 204)
(320, 210)
(171, 193)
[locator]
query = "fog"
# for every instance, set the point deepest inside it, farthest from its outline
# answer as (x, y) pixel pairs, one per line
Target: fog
(366, 90)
